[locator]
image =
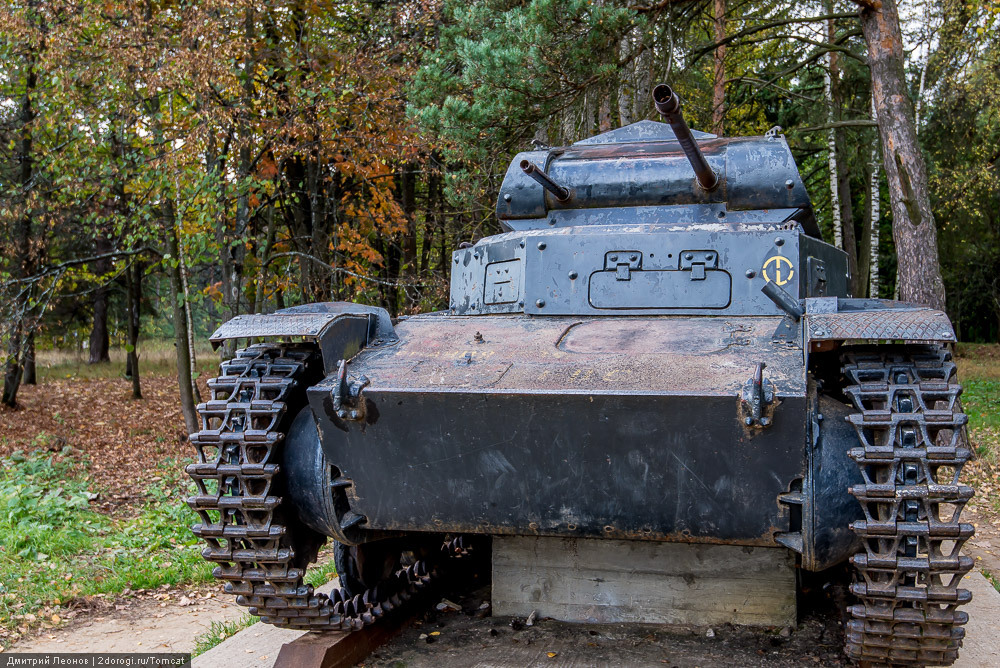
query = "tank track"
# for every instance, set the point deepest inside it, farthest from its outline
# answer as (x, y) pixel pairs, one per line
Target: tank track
(911, 428)
(261, 552)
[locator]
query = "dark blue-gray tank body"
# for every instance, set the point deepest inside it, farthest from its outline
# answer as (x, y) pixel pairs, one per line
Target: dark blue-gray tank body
(658, 347)
(630, 359)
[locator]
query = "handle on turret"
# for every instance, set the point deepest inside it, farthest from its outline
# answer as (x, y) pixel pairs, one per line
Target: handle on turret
(669, 106)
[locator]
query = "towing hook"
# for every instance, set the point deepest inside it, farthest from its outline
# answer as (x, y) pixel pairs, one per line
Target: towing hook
(347, 395)
(757, 396)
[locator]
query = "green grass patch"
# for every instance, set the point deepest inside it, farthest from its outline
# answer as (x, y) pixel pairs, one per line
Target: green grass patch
(979, 373)
(219, 631)
(54, 548)
(981, 400)
(320, 573)
(992, 578)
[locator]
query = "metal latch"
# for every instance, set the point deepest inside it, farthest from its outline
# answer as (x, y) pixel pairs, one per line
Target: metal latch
(698, 261)
(347, 402)
(623, 263)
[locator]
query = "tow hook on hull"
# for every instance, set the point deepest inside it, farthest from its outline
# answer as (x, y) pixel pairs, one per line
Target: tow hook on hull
(347, 395)
(756, 402)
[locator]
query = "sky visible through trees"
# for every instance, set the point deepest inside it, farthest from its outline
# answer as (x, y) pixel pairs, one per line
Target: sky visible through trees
(165, 165)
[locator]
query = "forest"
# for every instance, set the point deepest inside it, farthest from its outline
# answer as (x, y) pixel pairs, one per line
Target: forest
(168, 164)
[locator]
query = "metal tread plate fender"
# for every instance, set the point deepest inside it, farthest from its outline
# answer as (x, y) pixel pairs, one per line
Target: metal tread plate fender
(888, 324)
(340, 329)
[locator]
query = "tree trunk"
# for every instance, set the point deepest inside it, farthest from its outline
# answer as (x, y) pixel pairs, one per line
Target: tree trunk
(719, 79)
(913, 227)
(831, 152)
(874, 196)
(260, 303)
(235, 248)
(170, 229)
(604, 114)
(215, 166)
(16, 347)
(188, 320)
(408, 202)
(30, 377)
(829, 81)
(133, 282)
(184, 380)
(99, 340)
(847, 221)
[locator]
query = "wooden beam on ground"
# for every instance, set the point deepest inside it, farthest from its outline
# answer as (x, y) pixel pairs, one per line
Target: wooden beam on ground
(602, 581)
(338, 649)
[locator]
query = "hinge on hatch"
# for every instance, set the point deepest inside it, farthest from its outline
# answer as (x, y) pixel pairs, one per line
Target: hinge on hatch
(816, 272)
(698, 261)
(623, 263)
(347, 401)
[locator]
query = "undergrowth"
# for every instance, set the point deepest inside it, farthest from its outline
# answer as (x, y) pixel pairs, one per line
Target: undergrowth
(55, 551)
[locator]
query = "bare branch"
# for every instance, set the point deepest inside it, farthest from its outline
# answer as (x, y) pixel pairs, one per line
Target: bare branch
(709, 48)
(62, 266)
(341, 270)
(859, 123)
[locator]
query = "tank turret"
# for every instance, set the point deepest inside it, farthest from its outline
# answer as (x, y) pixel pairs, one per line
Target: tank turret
(652, 218)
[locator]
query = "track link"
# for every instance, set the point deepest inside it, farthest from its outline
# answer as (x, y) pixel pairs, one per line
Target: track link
(911, 428)
(262, 552)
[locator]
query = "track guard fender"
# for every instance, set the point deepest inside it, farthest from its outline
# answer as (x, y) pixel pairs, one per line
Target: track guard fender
(833, 319)
(340, 329)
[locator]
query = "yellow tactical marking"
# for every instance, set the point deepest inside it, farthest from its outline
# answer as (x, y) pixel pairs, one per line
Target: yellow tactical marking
(782, 268)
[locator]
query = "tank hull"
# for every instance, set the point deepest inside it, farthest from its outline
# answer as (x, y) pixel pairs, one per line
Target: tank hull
(616, 427)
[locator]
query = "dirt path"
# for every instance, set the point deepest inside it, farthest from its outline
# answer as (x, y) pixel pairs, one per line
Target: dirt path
(146, 624)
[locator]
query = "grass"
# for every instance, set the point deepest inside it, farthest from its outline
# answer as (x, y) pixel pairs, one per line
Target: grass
(979, 373)
(219, 631)
(992, 578)
(55, 551)
(156, 357)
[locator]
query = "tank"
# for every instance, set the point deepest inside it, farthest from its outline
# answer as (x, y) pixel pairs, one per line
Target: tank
(659, 347)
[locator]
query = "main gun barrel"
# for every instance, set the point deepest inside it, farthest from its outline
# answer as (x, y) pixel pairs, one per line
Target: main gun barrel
(669, 106)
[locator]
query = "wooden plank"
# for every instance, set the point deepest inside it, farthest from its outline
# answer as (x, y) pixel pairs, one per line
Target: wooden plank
(337, 649)
(591, 580)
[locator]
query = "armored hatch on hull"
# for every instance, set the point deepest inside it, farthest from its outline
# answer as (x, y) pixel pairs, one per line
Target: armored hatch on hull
(660, 347)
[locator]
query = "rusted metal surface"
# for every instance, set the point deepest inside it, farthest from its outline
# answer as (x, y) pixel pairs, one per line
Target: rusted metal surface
(894, 324)
(495, 425)
(911, 453)
(682, 355)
